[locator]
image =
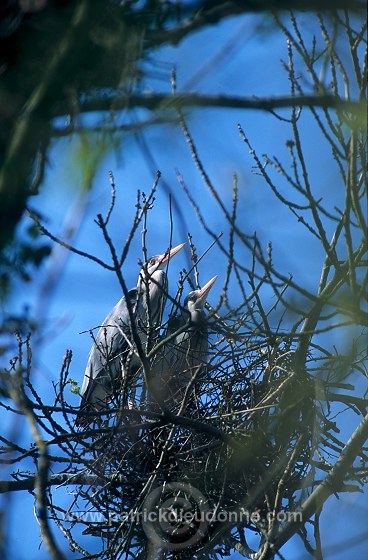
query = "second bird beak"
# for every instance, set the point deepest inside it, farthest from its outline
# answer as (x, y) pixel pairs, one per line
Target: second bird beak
(203, 292)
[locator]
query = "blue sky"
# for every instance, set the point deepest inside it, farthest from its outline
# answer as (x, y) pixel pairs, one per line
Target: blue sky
(241, 56)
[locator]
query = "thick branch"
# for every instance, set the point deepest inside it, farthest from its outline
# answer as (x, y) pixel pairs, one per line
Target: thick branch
(83, 479)
(162, 101)
(210, 13)
(41, 480)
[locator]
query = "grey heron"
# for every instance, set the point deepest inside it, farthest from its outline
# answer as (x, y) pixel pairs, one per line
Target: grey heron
(184, 357)
(114, 353)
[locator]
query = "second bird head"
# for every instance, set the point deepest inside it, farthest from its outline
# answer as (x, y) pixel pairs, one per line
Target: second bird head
(194, 302)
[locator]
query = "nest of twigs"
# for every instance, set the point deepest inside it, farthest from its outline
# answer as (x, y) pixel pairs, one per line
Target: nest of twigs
(248, 413)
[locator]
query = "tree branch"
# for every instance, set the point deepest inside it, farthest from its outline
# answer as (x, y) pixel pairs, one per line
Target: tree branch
(206, 13)
(328, 486)
(157, 101)
(84, 479)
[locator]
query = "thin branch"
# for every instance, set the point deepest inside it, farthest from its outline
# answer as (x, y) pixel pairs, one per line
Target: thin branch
(328, 486)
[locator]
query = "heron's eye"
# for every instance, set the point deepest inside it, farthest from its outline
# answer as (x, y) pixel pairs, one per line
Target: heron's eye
(152, 262)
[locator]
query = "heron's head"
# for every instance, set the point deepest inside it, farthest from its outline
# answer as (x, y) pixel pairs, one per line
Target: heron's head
(152, 274)
(194, 302)
(158, 262)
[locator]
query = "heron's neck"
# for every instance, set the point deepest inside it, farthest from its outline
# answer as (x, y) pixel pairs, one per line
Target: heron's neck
(152, 293)
(198, 316)
(157, 278)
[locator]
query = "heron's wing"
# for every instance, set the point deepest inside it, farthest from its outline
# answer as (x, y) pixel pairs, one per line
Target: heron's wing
(179, 360)
(163, 361)
(192, 345)
(112, 342)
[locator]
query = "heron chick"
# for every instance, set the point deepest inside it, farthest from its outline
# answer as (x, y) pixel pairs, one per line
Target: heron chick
(114, 354)
(184, 357)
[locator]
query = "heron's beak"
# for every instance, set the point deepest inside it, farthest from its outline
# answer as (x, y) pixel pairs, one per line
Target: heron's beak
(169, 255)
(203, 292)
